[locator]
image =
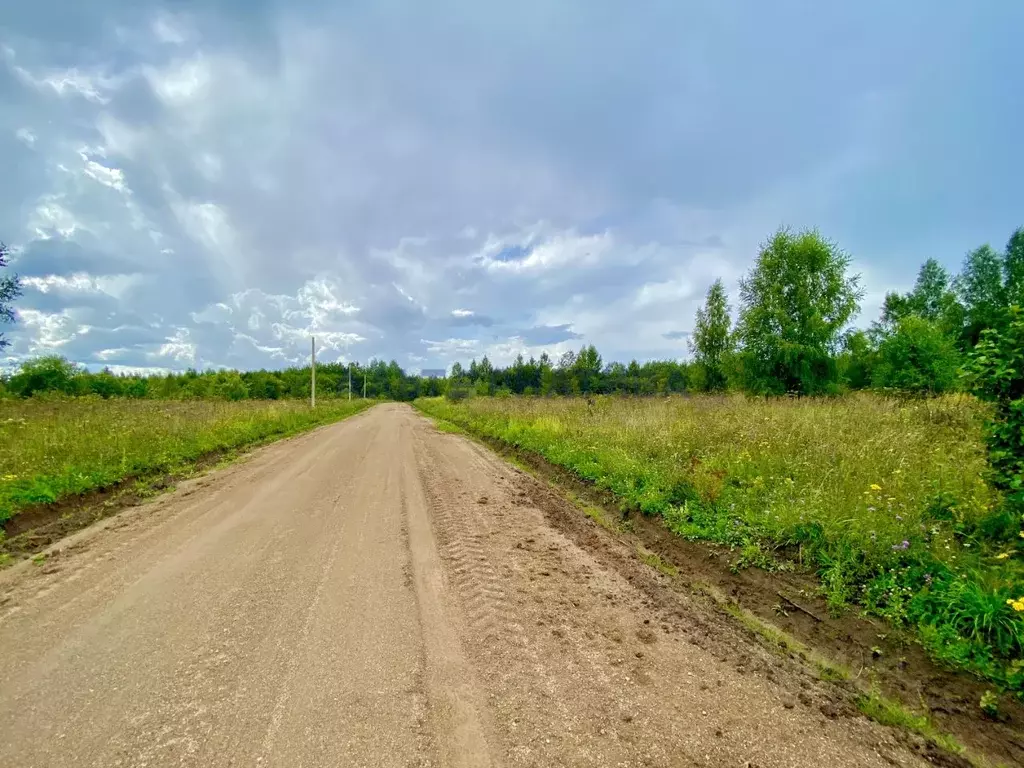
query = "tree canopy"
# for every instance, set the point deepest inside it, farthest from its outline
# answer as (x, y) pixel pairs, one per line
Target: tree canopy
(795, 302)
(10, 289)
(712, 340)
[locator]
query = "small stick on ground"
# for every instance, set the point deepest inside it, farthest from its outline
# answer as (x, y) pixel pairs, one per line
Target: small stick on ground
(799, 607)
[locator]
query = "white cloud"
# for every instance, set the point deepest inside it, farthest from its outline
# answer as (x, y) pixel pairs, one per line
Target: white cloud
(138, 370)
(317, 300)
(451, 348)
(170, 30)
(668, 291)
(50, 216)
(561, 251)
(81, 282)
(50, 330)
(118, 137)
(181, 82)
(179, 347)
(206, 223)
(25, 135)
(110, 354)
(333, 340)
(93, 85)
(462, 313)
(108, 177)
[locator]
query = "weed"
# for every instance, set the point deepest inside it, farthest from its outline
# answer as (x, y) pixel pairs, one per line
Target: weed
(989, 704)
(654, 561)
(888, 712)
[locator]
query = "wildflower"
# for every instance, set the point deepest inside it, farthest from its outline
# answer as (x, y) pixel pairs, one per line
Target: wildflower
(8, 478)
(927, 578)
(1017, 605)
(876, 487)
(1002, 556)
(902, 545)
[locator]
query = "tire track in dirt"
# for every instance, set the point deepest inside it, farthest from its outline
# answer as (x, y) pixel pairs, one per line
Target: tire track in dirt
(474, 577)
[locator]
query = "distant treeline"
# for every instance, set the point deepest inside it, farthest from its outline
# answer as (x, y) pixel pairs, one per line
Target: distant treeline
(57, 375)
(571, 374)
(790, 335)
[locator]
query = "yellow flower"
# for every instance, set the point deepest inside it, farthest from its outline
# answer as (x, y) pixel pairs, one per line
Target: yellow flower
(876, 487)
(1017, 605)
(1002, 556)
(10, 477)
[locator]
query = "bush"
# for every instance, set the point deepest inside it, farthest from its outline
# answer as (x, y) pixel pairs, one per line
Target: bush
(996, 374)
(457, 393)
(45, 374)
(917, 358)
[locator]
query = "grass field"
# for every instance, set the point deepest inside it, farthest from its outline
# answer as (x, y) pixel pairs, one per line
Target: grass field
(885, 500)
(53, 449)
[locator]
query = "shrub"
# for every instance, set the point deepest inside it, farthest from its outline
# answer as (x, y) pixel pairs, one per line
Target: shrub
(51, 373)
(996, 373)
(917, 358)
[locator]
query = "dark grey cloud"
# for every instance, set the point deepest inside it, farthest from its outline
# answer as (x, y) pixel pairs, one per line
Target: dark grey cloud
(542, 335)
(676, 335)
(216, 181)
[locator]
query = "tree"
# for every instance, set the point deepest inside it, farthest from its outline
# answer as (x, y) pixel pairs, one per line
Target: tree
(229, 386)
(980, 287)
(1013, 268)
(711, 340)
(586, 369)
(51, 373)
(856, 361)
(996, 373)
(796, 300)
(919, 358)
(10, 289)
(930, 296)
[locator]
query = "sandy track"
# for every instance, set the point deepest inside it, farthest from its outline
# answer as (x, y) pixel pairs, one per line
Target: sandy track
(377, 593)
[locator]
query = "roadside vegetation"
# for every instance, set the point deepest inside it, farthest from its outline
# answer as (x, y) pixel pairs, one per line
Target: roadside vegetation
(885, 499)
(55, 448)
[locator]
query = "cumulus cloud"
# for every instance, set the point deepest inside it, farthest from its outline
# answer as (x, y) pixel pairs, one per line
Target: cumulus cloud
(212, 185)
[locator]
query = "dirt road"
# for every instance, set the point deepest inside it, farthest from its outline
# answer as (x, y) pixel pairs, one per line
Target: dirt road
(378, 593)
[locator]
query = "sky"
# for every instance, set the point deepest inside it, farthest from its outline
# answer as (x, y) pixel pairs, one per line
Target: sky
(207, 184)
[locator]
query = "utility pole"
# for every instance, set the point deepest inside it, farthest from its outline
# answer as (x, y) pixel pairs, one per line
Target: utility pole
(364, 383)
(312, 372)
(350, 380)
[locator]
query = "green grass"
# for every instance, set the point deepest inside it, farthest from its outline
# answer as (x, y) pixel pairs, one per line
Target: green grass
(54, 449)
(885, 500)
(891, 713)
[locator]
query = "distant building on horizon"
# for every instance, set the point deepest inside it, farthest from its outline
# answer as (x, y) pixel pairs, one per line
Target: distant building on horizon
(433, 373)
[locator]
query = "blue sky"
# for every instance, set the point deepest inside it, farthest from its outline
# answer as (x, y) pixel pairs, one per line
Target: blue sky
(207, 183)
